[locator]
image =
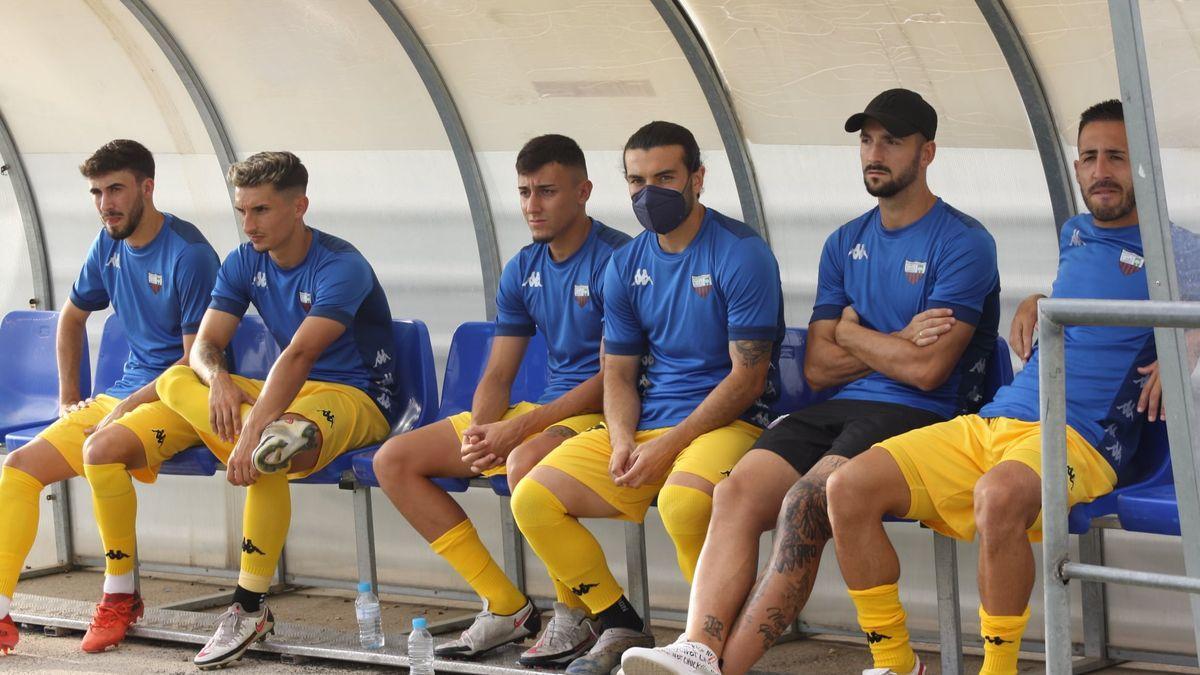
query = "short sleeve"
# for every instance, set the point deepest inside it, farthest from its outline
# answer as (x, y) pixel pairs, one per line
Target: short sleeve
(512, 317)
(89, 293)
(966, 275)
(194, 279)
(231, 292)
(596, 287)
(623, 335)
(831, 287)
(342, 284)
(750, 283)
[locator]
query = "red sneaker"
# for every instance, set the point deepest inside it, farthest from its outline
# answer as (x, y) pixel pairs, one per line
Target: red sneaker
(8, 634)
(114, 615)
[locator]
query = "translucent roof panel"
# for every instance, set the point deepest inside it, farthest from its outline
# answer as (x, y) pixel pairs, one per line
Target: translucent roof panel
(795, 70)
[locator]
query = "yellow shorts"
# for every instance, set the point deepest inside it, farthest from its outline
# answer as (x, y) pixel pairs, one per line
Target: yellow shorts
(578, 424)
(711, 456)
(943, 462)
(163, 433)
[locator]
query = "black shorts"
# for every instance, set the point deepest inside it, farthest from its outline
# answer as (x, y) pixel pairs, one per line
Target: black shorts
(841, 427)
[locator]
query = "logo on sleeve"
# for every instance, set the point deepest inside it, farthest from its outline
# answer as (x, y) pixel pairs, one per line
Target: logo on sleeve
(914, 270)
(642, 277)
(114, 261)
(534, 280)
(859, 252)
(306, 300)
(582, 293)
(702, 284)
(260, 279)
(1131, 262)
(155, 281)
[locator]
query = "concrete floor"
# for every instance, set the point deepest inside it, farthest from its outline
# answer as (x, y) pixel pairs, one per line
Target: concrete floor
(334, 609)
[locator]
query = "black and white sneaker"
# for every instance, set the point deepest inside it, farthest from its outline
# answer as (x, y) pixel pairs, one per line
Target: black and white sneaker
(237, 629)
(491, 631)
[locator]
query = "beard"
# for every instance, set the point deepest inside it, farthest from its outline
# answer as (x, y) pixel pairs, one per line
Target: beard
(896, 184)
(1118, 211)
(133, 219)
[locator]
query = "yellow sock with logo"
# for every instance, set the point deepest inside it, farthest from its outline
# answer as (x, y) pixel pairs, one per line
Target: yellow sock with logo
(685, 514)
(882, 617)
(265, 522)
(1001, 641)
(18, 523)
(563, 594)
(114, 502)
(464, 550)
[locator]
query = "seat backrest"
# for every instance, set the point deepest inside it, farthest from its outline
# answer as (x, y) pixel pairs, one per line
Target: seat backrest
(114, 351)
(999, 370)
(253, 351)
(794, 390)
(469, 349)
(416, 378)
(29, 369)
(1151, 464)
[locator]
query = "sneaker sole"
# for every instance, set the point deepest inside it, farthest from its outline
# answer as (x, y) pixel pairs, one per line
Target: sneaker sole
(141, 611)
(236, 655)
(643, 667)
(556, 660)
(471, 656)
(309, 434)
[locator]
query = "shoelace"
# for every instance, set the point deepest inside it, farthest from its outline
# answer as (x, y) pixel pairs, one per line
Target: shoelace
(106, 616)
(553, 631)
(227, 629)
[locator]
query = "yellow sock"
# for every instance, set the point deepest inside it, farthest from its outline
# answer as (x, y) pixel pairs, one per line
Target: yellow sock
(181, 391)
(563, 594)
(18, 523)
(881, 617)
(685, 514)
(461, 547)
(570, 552)
(265, 523)
(114, 502)
(1001, 641)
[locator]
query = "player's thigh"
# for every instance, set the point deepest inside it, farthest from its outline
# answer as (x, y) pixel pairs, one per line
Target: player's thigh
(712, 456)
(434, 450)
(753, 493)
(43, 461)
(577, 472)
(161, 434)
(57, 452)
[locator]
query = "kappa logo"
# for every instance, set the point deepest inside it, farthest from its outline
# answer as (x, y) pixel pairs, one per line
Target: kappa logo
(859, 252)
(726, 472)
(114, 261)
(155, 281)
(642, 277)
(160, 435)
(306, 300)
(249, 547)
(875, 638)
(387, 380)
(328, 415)
(116, 555)
(980, 367)
(534, 280)
(996, 639)
(259, 280)
(1126, 409)
(1115, 450)
(974, 396)
(384, 400)
(1076, 238)
(1130, 262)
(582, 589)
(381, 357)
(702, 284)
(914, 270)
(582, 293)
(1071, 475)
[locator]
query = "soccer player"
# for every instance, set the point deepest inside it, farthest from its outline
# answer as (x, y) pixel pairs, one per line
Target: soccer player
(156, 271)
(554, 286)
(982, 473)
(906, 314)
(692, 316)
(330, 390)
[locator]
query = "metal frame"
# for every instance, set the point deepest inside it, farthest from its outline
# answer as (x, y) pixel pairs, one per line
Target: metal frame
(1037, 107)
(31, 218)
(460, 143)
(1057, 567)
(721, 105)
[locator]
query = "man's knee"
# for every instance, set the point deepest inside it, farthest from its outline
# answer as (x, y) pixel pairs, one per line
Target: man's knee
(684, 509)
(1002, 508)
(519, 463)
(848, 494)
(110, 446)
(535, 505)
(21, 459)
(395, 460)
(739, 503)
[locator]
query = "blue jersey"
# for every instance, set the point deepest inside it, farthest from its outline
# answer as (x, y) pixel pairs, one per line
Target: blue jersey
(944, 259)
(159, 292)
(679, 311)
(1103, 385)
(564, 300)
(333, 281)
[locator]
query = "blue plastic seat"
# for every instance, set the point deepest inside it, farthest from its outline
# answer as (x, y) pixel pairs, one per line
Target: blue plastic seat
(1150, 509)
(29, 370)
(415, 391)
(1150, 467)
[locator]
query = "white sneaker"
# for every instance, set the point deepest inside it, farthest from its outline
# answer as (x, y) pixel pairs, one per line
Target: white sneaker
(280, 441)
(918, 669)
(492, 630)
(682, 657)
(236, 631)
(568, 635)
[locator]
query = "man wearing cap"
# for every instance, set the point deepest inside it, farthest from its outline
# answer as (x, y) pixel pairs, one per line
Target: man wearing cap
(905, 317)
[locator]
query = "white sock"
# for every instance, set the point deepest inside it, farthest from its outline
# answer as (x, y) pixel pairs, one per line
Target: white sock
(5, 605)
(119, 583)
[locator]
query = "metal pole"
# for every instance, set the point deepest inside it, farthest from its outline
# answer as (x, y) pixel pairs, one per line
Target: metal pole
(1037, 107)
(31, 219)
(721, 104)
(1174, 366)
(945, 562)
(460, 143)
(1116, 575)
(1052, 387)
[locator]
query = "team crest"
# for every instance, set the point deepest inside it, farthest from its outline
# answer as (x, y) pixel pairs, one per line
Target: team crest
(582, 293)
(1131, 262)
(702, 284)
(306, 300)
(156, 281)
(914, 270)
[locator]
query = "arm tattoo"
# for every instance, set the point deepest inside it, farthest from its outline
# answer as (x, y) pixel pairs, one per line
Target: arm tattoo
(211, 357)
(714, 627)
(559, 431)
(753, 352)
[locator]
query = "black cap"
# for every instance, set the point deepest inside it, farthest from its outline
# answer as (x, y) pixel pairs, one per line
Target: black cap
(900, 111)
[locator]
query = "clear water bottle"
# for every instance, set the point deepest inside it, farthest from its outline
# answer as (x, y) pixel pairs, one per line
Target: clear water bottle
(420, 649)
(370, 623)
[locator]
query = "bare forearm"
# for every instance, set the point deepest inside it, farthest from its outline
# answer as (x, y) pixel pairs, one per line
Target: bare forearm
(586, 397)
(69, 350)
(723, 405)
(283, 383)
(208, 360)
(826, 365)
(490, 401)
(895, 357)
(622, 409)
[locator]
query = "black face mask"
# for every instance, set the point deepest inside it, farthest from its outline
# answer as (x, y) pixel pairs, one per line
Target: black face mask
(661, 209)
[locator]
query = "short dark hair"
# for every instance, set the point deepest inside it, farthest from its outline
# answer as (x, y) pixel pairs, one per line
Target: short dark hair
(658, 134)
(119, 155)
(1104, 111)
(543, 150)
(280, 169)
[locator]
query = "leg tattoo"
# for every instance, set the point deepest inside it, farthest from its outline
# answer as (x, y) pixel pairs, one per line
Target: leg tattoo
(714, 627)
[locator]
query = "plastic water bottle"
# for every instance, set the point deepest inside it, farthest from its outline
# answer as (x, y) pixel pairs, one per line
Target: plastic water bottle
(420, 649)
(370, 623)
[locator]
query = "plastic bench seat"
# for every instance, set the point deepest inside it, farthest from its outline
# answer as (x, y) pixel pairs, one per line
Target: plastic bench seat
(29, 370)
(1150, 509)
